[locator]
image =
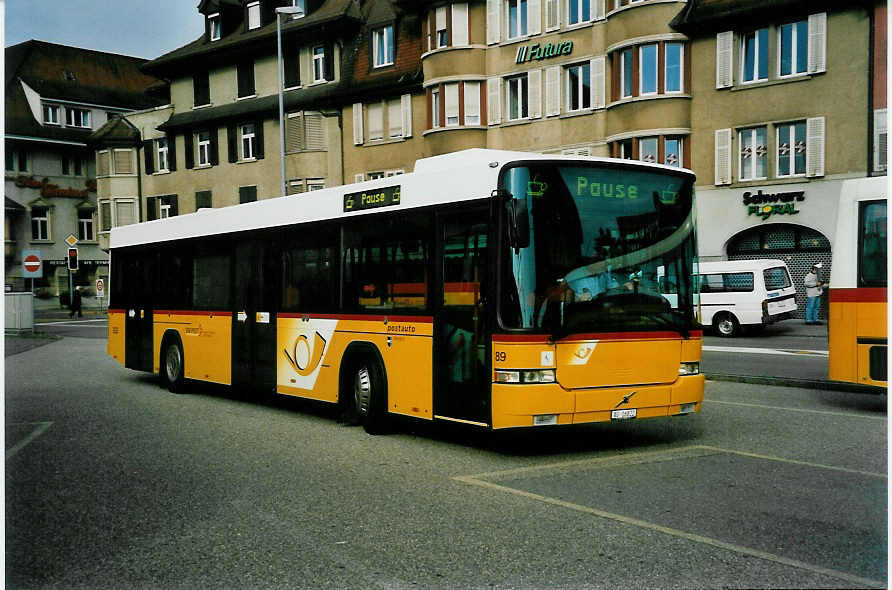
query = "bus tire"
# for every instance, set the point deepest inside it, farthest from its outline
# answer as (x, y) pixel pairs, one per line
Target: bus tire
(369, 391)
(172, 371)
(726, 325)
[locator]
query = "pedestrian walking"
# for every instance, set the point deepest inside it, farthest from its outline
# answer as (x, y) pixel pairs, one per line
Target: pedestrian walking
(813, 291)
(76, 303)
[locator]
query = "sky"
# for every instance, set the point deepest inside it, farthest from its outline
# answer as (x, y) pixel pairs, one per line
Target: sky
(139, 28)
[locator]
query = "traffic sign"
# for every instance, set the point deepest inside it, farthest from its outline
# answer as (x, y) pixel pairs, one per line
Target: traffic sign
(32, 265)
(100, 288)
(71, 240)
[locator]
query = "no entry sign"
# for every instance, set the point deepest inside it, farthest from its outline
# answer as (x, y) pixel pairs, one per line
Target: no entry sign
(31, 264)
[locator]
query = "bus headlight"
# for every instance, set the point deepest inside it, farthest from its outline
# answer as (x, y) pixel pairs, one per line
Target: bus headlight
(689, 369)
(531, 376)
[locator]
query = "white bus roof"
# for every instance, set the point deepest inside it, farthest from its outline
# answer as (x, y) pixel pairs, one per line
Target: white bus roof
(460, 176)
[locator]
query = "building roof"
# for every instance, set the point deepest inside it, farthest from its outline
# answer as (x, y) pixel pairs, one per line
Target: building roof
(69, 74)
(116, 130)
(703, 17)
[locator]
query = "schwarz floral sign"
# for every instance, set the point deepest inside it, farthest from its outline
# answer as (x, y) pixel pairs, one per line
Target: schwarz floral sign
(52, 190)
(765, 205)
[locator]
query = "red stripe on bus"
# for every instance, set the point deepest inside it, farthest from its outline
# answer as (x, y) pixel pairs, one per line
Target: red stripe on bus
(116, 310)
(542, 338)
(357, 317)
(858, 295)
(193, 312)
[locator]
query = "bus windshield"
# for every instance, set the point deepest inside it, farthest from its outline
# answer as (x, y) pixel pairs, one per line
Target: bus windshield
(611, 248)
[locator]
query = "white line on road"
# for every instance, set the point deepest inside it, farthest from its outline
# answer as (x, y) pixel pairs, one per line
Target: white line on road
(41, 428)
(807, 411)
(70, 322)
(775, 351)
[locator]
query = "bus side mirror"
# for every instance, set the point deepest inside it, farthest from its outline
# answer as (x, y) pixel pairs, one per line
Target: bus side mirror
(518, 225)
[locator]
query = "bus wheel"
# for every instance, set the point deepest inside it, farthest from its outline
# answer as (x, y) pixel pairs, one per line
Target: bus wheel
(370, 395)
(726, 325)
(172, 366)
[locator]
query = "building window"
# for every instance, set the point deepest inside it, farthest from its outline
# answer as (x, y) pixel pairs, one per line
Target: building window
(167, 206)
(123, 162)
(162, 151)
(579, 91)
(40, 223)
(319, 64)
(472, 103)
(451, 96)
(247, 194)
(376, 122)
(517, 18)
(672, 151)
(315, 184)
(394, 118)
(17, 160)
(203, 200)
(77, 117)
(254, 15)
(214, 28)
(647, 149)
(72, 166)
(85, 225)
(755, 56)
(102, 163)
(201, 89)
(674, 69)
(435, 108)
(245, 78)
(305, 131)
(791, 149)
(51, 114)
(579, 11)
(125, 212)
(105, 220)
(753, 151)
(204, 148)
(382, 46)
(440, 22)
(627, 77)
(792, 41)
(248, 142)
(517, 98)
(649, 68)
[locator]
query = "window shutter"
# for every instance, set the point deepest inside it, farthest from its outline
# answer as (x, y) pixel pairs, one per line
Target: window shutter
(172, 153)
(814, 146)
(151, 208)
(172, 201)
(202, 200)
(215, 154)
(599, 81)
(291, 65)
(553, 91)
(817, 43)
(880, 134)
(148, 154)
(329, 62)
(294, 133)
(123, 160)
(258, 139)
(314, 124)
(460, 24)
(493, 21)
(357, 123)
(600, 9)
(406, 109)
(534, 17)
(126, 212)
(232, 143)
(189, 149)
(723, 156)
(494, 101)
(552, 14)
(724, 56)
(534, 93)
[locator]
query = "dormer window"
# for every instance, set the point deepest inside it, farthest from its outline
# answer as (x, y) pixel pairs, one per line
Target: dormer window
(214, 26)
(253, 16)
(302, 4)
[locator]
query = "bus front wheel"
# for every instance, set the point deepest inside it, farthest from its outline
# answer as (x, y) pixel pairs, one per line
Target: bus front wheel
(370, 395)
(172, 362)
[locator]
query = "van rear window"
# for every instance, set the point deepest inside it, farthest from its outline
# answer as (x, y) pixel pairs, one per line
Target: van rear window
(732, 282)
(777, 278)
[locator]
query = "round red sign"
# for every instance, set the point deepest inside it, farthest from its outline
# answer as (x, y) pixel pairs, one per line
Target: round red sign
(31, 263)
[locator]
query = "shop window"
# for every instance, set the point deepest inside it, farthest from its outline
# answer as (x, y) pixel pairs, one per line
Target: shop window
(647, 149)
(673, 154)
(753, 153)
(791, 149)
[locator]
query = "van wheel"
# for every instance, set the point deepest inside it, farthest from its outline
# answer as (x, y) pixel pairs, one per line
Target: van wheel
(726, 325)
(370, 395)
(172, 362)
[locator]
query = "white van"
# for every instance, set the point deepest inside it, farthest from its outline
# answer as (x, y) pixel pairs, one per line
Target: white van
(735, 293)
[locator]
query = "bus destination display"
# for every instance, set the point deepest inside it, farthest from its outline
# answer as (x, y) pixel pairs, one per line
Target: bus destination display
(379, 197)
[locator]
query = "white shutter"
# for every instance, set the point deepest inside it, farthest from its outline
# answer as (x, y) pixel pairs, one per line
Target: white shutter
(126, 213)
(814, 146)
(600, 9)
(460, 24)
(724, 56)
(553, 91)
(294, 133)
(552, 14)
(599, 82)
(450, 96)
(359, 177)
(723, 156)
(817, 42)
(534, 93)
(357, 123)
(880, 134)
(494, 101)
(376, 121)
(394, 118)
(314, 125)
(493, 21)
(406, 106)
(534, 17)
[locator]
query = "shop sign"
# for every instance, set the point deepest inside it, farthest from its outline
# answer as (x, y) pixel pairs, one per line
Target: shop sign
(766, 205)
(53, 190)
(64, 262)
(538, 52)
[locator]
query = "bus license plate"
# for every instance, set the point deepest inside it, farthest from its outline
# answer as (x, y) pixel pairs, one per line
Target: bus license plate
(623, 414)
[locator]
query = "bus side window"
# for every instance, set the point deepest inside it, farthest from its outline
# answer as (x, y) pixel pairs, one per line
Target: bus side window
(873, 244)
(309, 277)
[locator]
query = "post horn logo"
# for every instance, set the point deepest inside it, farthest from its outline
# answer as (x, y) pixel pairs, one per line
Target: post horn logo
(305, 358)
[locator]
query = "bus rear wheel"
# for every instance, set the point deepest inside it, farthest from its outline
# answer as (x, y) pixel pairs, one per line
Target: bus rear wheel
(726, 325)
(172, 362)
(370, 395)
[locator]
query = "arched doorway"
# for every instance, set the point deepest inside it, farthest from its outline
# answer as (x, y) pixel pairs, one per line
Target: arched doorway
(798, 246)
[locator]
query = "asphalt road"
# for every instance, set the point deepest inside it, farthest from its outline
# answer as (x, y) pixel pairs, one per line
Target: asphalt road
(113, 483)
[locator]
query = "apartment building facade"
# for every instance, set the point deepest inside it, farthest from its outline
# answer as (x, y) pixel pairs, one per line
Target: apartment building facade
(55, 97)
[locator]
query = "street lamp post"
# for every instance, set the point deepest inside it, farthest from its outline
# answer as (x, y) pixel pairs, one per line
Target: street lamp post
(280, 11)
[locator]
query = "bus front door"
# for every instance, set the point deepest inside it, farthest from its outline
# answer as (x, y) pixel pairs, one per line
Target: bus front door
(138, 325)
(253, 318)
(462, 383)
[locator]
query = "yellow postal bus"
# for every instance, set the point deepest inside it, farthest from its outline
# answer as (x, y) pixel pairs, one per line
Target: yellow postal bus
(500, 289)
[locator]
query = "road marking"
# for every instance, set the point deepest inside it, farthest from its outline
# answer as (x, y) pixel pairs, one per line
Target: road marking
(804, 410)
(70, 322)
(41, 428)
(774, 351)
(795, 462)
(675, 453)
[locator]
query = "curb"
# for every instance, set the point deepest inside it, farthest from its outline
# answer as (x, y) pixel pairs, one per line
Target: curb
(804, 383)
